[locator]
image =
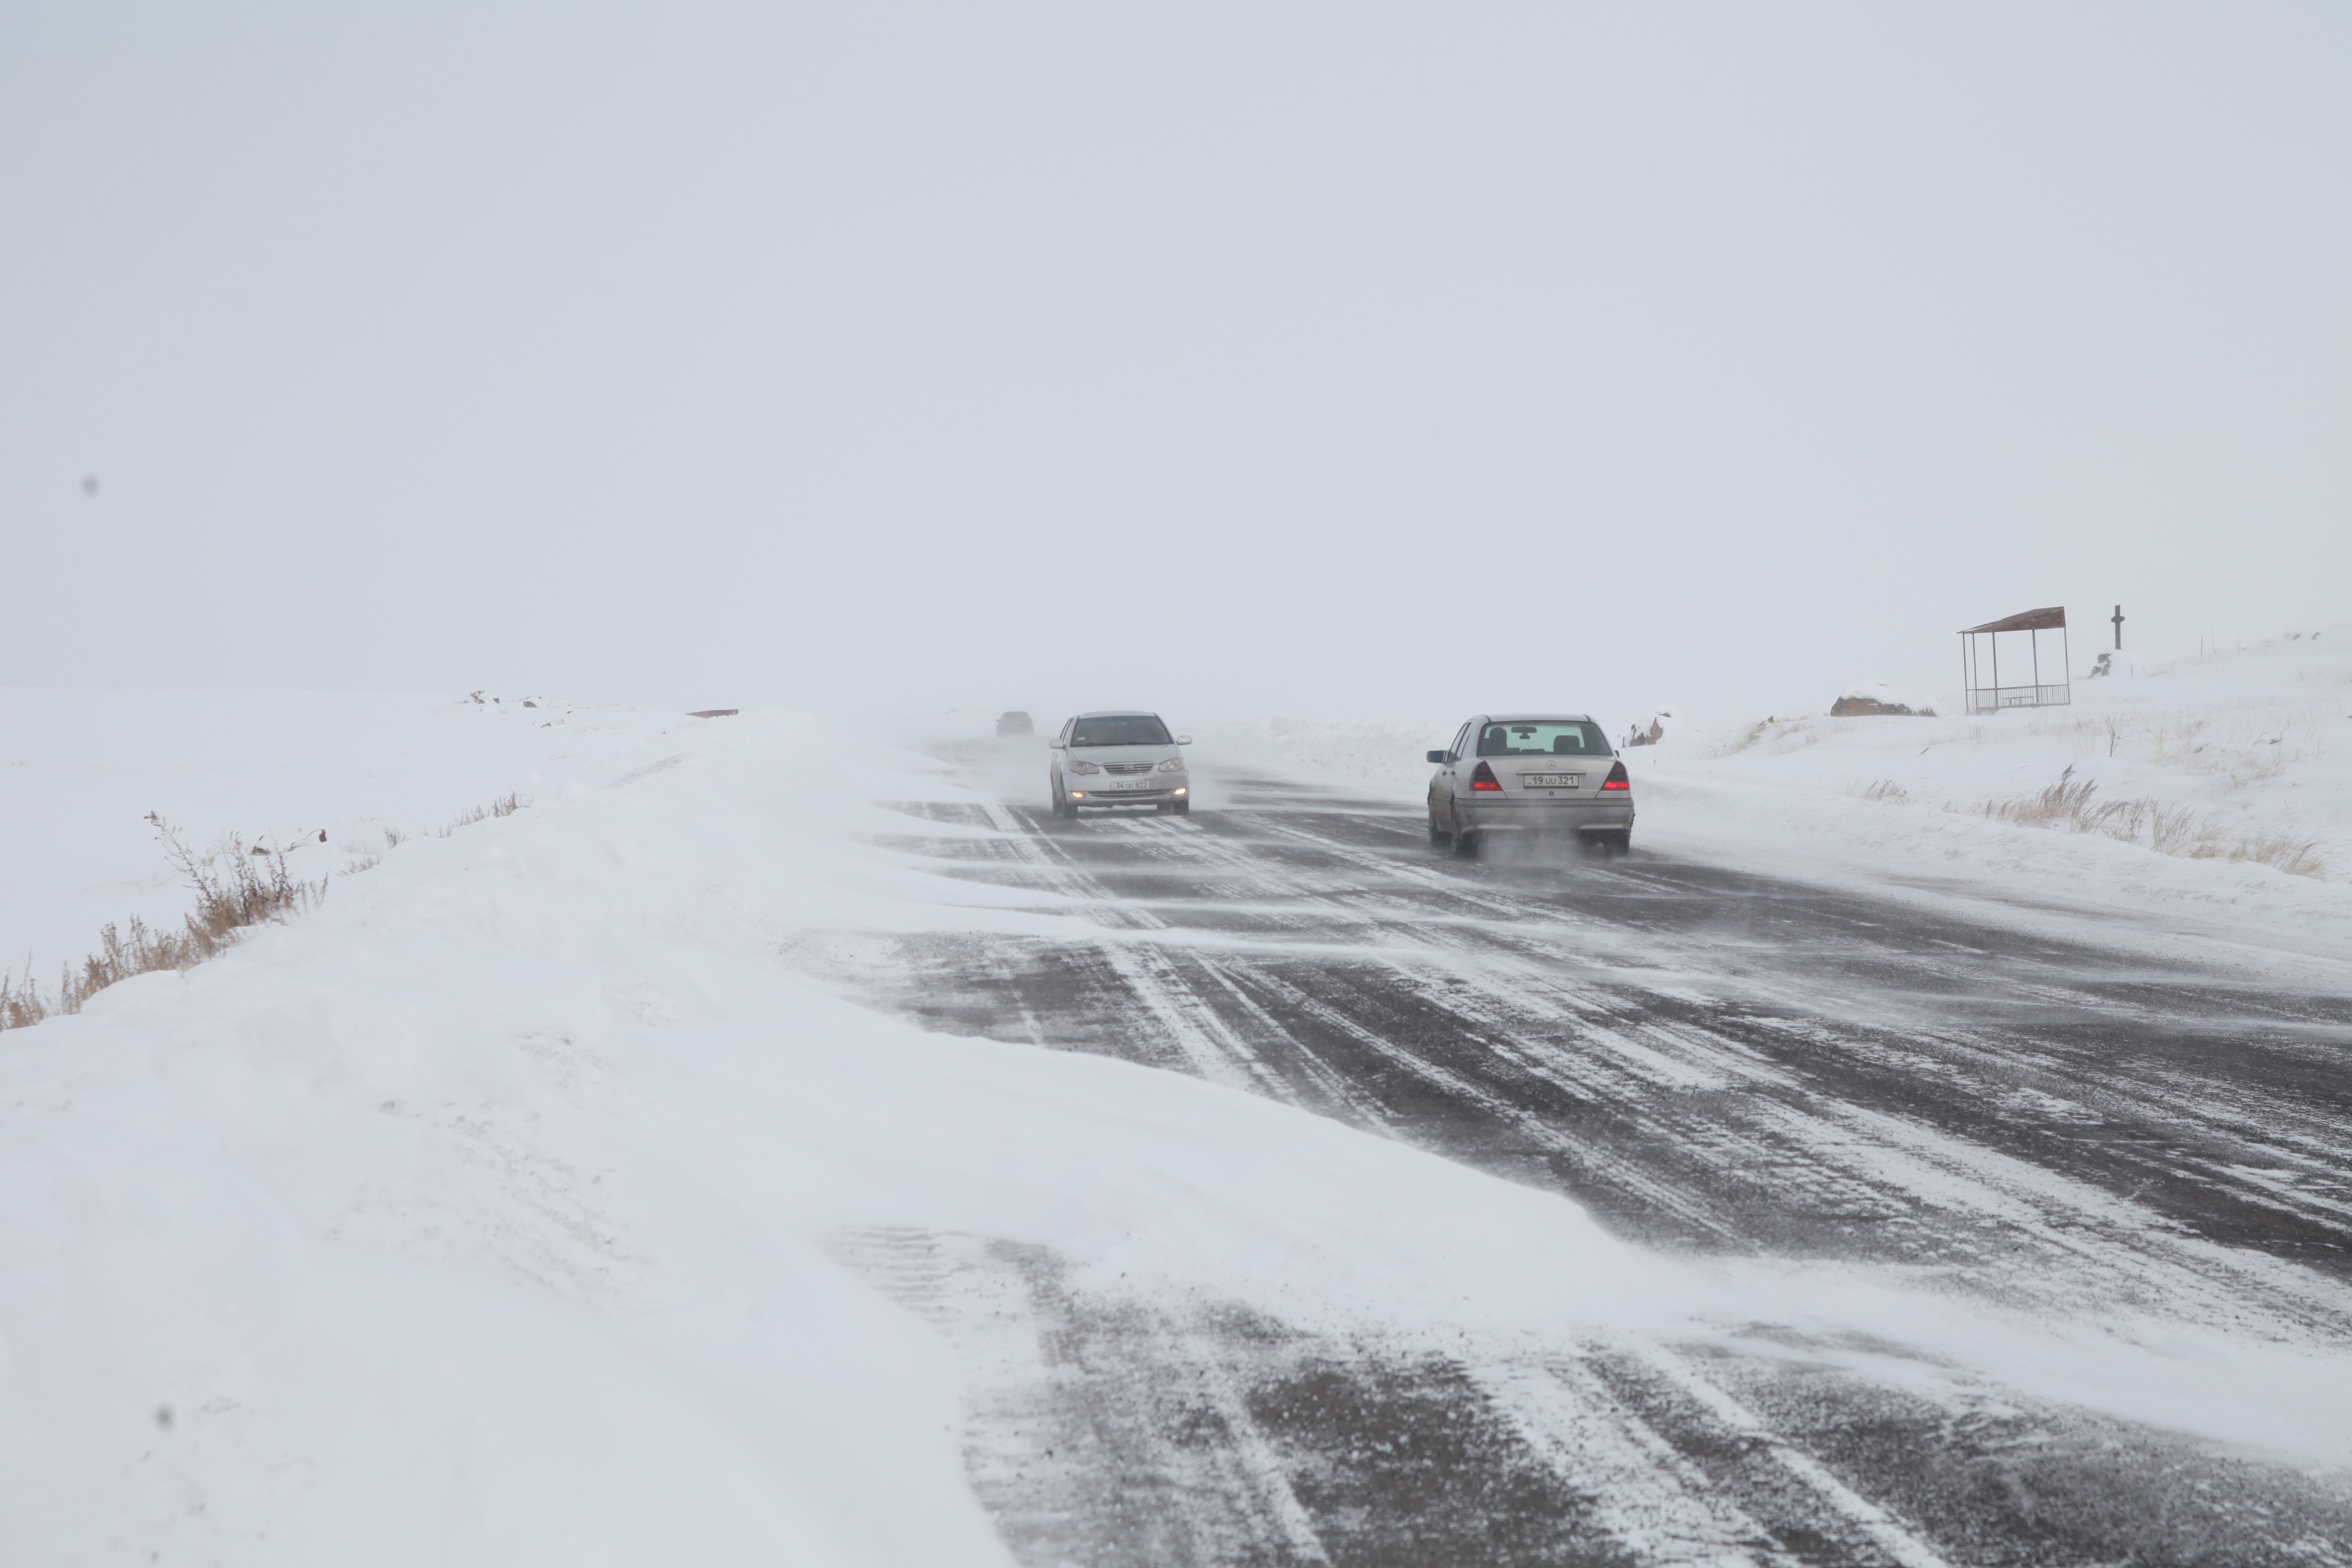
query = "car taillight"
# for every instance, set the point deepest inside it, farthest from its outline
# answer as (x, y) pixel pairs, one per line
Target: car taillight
(1617, 779)
(1482, 777)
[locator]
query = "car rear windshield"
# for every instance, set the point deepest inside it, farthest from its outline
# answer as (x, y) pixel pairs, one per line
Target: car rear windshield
(1122, 729)
(1543, 738)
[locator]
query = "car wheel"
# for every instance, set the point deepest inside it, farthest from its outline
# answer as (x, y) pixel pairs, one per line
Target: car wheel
(1438, 838)
(1466, 845)
(1182, 807)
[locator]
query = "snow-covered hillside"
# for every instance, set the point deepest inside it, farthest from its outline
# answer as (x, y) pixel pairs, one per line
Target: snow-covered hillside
(2208, 801)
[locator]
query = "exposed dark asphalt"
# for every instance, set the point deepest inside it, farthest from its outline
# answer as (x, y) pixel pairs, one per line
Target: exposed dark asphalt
(1711, 1063)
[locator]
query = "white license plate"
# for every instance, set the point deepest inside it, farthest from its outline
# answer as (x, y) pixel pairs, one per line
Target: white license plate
(1551, 781)
(1127, 784)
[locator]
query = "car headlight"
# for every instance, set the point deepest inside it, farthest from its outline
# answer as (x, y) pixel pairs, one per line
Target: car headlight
(1086, 767)
(1172, 765)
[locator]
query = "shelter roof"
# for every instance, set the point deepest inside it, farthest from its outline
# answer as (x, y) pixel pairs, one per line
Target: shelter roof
(2048, 620)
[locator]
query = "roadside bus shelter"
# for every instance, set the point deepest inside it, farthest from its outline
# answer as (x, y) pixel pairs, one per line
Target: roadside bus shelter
(1980, 672)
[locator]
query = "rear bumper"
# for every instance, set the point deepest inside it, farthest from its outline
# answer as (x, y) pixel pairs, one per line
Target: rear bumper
(1561, 817)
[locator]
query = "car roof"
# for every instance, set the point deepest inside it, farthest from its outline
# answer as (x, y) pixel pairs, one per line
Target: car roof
(1533, 718)
(1120, 713)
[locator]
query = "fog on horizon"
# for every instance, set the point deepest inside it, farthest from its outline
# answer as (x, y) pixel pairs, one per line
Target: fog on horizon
(1323, 361)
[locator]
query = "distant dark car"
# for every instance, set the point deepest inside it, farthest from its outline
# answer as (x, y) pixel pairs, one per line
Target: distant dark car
(1014, 724)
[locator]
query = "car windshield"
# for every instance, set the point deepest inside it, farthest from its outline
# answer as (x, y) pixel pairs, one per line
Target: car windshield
(1543, 738)
(1122, 729)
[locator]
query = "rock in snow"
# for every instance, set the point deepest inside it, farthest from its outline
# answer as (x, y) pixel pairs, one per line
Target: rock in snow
(1865, 698)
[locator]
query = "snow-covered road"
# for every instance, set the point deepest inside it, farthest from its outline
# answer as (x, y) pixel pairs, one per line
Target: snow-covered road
(1943, 1126)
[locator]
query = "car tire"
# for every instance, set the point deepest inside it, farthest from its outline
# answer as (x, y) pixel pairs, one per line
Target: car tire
(1181, 807)
(1438, 838)
(1466, 845)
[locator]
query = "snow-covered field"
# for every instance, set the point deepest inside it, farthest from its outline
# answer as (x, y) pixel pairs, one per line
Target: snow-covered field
(486, 1213)
(2204, 805)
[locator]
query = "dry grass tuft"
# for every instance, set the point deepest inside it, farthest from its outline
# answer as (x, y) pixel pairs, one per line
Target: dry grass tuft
(1883, 789)
(2072, 802)
(1748, 737)
(2065, 801)
(1785, 735)
(505, 806)
(2295, 857)
(2170, 828)
(257, 888)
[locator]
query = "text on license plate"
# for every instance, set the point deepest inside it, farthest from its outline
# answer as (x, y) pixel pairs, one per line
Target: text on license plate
(1127, 784)
(1551, 781)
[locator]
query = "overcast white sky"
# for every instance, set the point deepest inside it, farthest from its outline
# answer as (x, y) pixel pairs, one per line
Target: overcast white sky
(1230, 360)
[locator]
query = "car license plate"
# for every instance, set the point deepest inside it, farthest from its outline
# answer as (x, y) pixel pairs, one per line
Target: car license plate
(1127, 784)
(1551, 781)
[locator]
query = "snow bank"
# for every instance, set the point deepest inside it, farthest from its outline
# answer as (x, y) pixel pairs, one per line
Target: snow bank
(2165, 803)
(80, 771)
(2238, 764)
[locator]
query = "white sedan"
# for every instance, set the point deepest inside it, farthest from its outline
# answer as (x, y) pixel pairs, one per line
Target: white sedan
(1120, 759)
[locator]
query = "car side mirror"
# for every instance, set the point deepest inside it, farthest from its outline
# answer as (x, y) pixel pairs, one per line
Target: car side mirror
(1183, 740)
(1055, 745)
(1437, 757)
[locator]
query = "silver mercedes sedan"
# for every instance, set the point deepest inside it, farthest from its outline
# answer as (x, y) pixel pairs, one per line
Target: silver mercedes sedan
(1531, 773)
(1120, 759)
